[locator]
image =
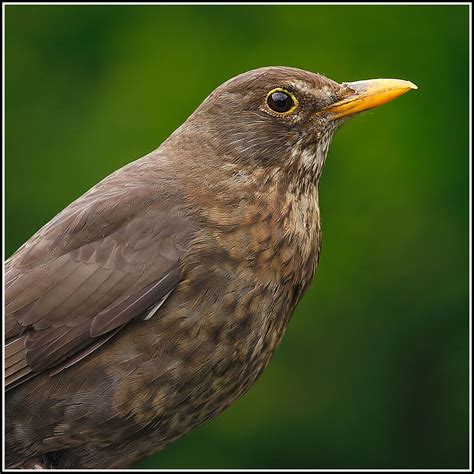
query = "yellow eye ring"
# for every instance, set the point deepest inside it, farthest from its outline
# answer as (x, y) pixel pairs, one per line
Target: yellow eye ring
(281, 101)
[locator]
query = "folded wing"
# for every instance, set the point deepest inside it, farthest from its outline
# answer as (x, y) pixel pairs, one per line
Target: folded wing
(110, 257)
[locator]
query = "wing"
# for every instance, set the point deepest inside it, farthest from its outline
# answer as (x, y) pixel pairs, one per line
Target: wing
(110, 257)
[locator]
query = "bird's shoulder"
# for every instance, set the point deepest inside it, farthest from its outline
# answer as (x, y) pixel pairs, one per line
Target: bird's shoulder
(109, 257)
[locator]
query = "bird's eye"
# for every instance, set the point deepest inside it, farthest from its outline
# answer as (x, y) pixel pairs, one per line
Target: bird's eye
(281, 101)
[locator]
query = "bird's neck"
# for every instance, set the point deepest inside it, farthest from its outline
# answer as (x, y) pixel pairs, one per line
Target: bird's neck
(263, 217)
(259, 214)
(308, 157)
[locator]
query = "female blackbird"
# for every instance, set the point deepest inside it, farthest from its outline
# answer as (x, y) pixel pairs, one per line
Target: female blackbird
(155, 300)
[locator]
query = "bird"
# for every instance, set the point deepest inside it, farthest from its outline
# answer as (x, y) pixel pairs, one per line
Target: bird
(156, 299)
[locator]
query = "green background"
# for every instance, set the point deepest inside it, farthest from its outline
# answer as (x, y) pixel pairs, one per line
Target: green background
(373, 371)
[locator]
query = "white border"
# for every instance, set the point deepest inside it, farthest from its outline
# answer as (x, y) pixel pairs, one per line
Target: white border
(470, 228)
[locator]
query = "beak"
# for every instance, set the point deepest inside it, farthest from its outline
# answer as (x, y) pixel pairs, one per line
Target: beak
(365, 95)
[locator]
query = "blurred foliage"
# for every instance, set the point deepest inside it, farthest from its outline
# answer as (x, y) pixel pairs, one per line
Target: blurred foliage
(373, 371)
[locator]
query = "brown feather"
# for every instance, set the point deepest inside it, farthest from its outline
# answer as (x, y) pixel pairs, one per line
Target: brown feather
(104, 261)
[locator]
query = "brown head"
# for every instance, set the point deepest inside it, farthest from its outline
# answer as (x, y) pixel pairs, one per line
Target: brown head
(284, 117)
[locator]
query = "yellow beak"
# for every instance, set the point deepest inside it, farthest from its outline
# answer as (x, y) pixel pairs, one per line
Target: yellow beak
(365, 95)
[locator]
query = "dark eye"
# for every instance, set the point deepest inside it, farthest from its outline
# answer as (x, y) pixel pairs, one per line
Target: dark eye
(281, 101)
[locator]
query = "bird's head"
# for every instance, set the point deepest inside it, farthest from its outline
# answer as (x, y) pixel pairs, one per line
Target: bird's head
(285, 117)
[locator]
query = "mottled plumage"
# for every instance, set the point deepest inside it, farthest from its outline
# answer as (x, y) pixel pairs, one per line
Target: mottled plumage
(156, 299)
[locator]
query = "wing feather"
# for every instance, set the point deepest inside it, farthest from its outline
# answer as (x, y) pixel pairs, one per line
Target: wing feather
(111, 256)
